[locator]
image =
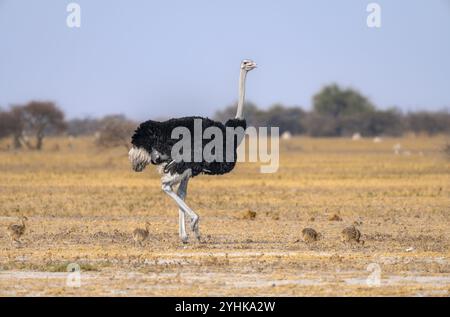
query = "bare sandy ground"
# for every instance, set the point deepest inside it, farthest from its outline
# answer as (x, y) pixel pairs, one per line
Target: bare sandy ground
(83, 204)
(236, 257)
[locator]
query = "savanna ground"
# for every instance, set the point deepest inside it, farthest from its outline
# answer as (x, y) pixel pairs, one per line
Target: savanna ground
(83, 203)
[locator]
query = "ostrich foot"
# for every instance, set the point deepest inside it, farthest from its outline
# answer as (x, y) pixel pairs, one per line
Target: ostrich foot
(184, 239)
(195, 226)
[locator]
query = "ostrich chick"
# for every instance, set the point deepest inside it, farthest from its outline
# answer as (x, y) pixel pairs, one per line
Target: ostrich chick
(309, 235)
(139, 235)
(16, 231)
(351, 234)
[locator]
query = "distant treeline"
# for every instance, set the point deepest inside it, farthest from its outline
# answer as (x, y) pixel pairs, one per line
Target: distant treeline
(336, 112)
(342, 112)
(27, 126)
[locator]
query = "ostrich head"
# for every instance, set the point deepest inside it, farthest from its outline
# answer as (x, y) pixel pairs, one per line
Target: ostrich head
(139, 158)
(143, 151)
(248, 65)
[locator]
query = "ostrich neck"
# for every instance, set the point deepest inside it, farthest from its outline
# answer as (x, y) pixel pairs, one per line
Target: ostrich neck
(240, 106)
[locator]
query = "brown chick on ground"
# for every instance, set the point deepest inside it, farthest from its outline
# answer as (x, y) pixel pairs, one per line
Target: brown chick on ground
(351, 234)
(16, 231)
(309, 235)
(140, 235)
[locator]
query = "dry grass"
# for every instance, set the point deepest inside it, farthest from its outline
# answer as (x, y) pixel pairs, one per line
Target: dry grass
(83, 204)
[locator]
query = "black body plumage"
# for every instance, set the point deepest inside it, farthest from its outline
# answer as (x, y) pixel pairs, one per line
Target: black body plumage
(156, 135)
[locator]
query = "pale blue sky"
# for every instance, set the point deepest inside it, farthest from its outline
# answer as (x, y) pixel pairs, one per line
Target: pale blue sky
(171, 58)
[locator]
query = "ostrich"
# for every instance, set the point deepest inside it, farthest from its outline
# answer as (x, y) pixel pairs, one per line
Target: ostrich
(139, 234)
(350, 234)
(16, 231)
(152, 143)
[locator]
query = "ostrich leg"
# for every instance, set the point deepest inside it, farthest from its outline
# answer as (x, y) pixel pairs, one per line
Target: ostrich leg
(182, 191)
(168, 180)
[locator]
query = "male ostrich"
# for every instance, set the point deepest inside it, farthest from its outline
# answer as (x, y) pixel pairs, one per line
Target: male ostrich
(152, 143)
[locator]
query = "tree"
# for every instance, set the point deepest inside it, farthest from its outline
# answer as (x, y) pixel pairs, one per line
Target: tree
(318, 125)
(252, 114)
(429, 122)
(287, 119)
(379, 122)
(85, 126)
(12, 124)
(337, 102)
(5, 124)
(115, 130)
(41, 118)
(388, 122)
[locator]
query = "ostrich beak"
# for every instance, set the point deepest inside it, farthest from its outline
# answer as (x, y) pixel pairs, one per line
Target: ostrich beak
(253, 65)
